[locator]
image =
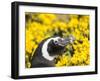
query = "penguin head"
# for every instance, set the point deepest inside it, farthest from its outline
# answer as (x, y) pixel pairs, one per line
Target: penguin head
(57, 45)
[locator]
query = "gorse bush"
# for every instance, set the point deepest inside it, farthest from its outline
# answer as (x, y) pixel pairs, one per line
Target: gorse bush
(43, 25)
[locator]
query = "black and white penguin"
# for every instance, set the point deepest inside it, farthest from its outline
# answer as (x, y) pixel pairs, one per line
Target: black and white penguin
(48, 49)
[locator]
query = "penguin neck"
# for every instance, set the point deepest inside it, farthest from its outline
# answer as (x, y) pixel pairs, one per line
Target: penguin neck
(45, 53)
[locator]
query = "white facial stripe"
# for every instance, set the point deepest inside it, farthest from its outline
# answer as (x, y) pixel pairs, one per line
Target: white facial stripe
(61, 45)
(45, 52)
(56, 38)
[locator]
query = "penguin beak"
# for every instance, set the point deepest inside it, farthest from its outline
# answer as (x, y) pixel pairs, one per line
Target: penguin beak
(71, 39)
(66, 41)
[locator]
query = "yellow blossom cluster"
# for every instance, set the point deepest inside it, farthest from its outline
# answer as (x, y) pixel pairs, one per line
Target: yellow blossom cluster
(43, 25)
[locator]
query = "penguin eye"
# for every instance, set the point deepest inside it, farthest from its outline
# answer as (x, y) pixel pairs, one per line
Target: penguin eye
(56, 42)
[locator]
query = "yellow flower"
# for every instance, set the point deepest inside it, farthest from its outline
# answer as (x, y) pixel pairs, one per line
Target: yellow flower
(74, 60)
(47, 18)
(73, 22)
(64, 61)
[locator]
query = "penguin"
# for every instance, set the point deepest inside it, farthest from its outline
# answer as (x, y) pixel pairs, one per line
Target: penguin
(48, 50)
